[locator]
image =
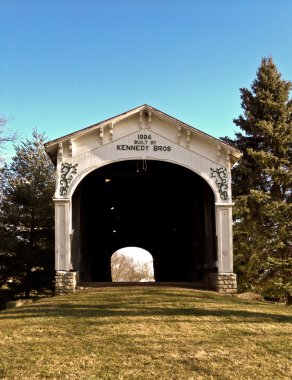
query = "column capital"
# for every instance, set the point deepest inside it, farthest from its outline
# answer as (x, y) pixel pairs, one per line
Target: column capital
(224, 205)
(62, 200)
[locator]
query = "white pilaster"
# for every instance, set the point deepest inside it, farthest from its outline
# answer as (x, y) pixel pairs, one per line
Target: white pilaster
(62, 234)
(224, 237)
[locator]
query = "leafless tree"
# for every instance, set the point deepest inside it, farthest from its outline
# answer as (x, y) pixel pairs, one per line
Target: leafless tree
(6, 136)
(125, 269)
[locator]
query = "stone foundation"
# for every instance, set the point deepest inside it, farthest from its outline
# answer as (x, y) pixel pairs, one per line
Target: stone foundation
(65, 282)
(224, 283)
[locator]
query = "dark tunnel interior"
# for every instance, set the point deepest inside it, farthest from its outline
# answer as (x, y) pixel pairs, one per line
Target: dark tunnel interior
(161, 207)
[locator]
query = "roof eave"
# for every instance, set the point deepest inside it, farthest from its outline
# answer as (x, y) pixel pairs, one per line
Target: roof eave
(51, 149)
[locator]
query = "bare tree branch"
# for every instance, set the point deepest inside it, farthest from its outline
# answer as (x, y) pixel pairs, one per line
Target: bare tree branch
(125, 269)
(6, 136)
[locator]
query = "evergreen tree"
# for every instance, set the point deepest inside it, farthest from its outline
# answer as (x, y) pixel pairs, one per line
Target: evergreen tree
(262, 185)
(27, 219)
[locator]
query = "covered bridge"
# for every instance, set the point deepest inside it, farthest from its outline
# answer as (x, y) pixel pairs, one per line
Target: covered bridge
(143, 179)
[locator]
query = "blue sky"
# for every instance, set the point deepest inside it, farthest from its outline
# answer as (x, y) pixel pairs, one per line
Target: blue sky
(68, 64)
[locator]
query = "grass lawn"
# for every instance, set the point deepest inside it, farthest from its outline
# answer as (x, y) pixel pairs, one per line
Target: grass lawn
(127, 333)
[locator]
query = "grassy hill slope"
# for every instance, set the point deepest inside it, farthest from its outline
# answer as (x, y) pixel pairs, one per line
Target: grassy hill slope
(146, 333)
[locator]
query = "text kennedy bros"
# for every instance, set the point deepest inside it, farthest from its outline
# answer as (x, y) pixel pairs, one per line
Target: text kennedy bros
(155, 148)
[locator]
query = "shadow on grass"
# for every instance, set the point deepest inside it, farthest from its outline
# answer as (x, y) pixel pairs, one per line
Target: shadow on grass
(67, 310)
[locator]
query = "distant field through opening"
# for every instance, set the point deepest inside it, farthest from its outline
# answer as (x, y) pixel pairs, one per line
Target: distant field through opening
(132, 264)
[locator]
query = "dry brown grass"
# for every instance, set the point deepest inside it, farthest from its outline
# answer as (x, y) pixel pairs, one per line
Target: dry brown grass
(146, 333)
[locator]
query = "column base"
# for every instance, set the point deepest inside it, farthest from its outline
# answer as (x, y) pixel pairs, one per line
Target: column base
(224, 283)
(65, 282)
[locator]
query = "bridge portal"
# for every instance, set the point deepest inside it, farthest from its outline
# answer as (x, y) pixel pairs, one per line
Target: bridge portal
(148, 180)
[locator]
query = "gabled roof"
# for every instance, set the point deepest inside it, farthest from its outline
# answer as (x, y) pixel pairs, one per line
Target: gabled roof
(51, 147)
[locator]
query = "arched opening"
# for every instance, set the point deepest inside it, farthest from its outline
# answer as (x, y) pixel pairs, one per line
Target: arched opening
(163, 208)
(132, 264)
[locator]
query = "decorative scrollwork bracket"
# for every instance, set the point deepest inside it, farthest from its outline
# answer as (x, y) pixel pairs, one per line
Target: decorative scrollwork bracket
(220, 176)
(67, 171)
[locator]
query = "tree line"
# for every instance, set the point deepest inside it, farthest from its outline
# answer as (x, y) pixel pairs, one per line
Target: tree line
(262, 191)
(125, 269)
